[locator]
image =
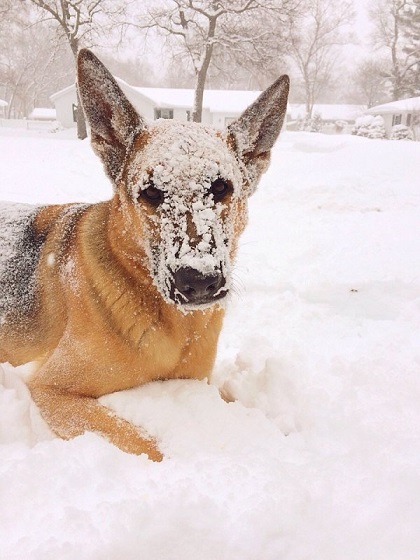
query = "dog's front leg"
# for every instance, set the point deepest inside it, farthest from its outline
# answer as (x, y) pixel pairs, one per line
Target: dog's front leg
(70, 415)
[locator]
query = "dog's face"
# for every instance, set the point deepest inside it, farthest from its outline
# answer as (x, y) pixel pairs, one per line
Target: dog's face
(182, 186)
(187, 190)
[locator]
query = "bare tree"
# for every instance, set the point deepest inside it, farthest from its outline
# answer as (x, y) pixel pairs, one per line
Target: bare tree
(411, 22)
(370, 82)
(30, 68)
(206, 30)
(396, 29)
(30, 59)
(314, 41)
(79, 21)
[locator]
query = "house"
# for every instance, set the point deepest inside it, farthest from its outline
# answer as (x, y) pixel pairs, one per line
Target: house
(219, 107)
(404, 111)
(43, 114)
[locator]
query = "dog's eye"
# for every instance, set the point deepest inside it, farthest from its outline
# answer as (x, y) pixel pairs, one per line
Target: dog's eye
(152, 195)
(220, 189)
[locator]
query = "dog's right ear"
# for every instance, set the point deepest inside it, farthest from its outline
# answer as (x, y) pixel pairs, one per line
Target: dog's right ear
(113, 120)
(254, 133)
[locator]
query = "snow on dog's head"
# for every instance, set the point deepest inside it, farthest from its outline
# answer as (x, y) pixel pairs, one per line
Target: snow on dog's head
(188, 187)
(182, 188)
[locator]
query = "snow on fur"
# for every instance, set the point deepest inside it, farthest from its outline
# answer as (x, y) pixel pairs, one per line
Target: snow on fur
(183, 160)
(19, 251)
(319, 458)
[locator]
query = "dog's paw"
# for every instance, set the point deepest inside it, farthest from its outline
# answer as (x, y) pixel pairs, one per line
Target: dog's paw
(132, 442)
(155, 455)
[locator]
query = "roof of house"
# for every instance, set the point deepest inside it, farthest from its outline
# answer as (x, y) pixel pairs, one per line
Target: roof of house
(410, 104)
(222, 101)
(62, 92)
(215, 100)
(233, 102)
(43, 114)
(3, 103)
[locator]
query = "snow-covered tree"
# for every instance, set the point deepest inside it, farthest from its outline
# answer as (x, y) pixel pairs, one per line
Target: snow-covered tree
(79, 21)
(204, 31)
(370, 126)
(401, 132)
(311, 123)
(370, 81)
(411, 29)
(31, 60)
(397, 32)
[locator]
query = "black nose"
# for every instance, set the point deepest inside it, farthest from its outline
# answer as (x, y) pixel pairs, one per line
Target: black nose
(196, 287)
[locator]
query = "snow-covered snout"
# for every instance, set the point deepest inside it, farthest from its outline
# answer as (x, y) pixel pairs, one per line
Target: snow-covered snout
(181, 187)
(189, 207)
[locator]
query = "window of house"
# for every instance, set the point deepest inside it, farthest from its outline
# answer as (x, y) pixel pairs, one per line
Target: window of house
(408, 122)
(164, 113)
(229, 120)
(396, 119)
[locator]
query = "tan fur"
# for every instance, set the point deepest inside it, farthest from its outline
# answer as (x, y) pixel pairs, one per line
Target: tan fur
(100, 324)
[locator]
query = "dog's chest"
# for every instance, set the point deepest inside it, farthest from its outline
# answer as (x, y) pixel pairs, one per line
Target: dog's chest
(182, 346)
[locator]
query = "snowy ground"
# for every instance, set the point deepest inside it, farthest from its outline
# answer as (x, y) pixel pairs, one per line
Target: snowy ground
(320, 457)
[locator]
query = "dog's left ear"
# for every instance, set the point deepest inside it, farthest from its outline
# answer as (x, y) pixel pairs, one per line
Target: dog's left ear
(256, 130)
(113, 120)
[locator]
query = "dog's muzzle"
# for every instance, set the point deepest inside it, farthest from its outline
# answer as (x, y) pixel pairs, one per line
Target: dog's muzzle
(193, 287)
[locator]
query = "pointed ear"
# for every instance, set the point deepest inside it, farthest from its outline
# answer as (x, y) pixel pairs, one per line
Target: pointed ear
(256, 130)
(113, 120)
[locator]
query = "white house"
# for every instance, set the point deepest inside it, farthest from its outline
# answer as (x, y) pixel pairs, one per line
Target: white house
(43, 114)
(404, 111)
(219, 107)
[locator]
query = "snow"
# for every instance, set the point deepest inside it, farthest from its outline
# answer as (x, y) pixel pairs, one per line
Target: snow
(16, 280)
(328, 111)
(236, 101)
(409, 104)
(319, 458)
(215, 100)
(43, 113)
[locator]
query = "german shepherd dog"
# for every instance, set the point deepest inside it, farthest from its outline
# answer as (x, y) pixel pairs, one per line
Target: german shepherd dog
(108, 296)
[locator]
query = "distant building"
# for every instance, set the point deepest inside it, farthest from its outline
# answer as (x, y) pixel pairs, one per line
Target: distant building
(43, 114)
(404, 111)
(220, 107)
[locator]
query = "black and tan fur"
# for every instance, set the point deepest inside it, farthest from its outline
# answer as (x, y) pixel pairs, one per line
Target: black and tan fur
(105, 297)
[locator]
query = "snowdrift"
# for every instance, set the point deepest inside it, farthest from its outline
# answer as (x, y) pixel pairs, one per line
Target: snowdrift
(319, 456)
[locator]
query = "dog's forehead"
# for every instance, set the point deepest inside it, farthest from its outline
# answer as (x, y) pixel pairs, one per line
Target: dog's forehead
(179, 154)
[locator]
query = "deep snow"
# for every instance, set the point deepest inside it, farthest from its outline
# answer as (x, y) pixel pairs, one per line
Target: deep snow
(320, 456)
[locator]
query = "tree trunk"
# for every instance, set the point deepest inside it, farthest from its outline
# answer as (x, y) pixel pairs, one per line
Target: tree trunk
(202, 73)
(80, 116)
(197, 113)
(308, 95)
(81, 121)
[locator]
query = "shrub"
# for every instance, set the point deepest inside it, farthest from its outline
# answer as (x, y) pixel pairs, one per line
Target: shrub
(370, 126)
(401, 132)
(312, 124)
